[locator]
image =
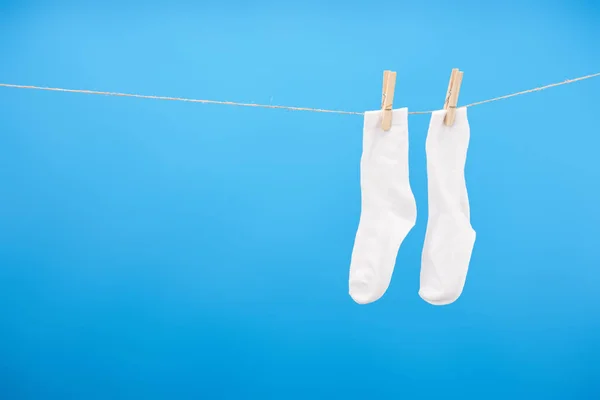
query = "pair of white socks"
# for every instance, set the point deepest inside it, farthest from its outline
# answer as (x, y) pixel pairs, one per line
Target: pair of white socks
(389, 211)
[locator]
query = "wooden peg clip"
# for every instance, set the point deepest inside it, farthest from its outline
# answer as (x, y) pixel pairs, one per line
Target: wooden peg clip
(387, 99)
(452, 96)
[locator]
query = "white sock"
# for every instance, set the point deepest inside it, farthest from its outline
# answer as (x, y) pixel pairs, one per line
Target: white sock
(449, 239)
(388, 209)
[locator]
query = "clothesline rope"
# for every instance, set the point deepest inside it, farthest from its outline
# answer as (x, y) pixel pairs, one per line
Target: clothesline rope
(231, 103)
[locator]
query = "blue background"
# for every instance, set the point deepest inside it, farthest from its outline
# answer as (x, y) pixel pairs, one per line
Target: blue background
(163, 250)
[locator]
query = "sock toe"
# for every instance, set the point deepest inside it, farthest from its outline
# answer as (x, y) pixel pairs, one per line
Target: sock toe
(363, 293)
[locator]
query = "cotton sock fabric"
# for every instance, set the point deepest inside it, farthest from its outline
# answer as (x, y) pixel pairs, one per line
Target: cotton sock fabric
(388, 208)
(449, 239)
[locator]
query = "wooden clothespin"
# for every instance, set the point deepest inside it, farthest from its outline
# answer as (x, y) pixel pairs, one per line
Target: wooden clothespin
(387, 99)
(452, 96)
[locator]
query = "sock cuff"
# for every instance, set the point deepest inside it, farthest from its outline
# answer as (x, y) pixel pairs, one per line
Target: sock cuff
(373, 118)
(437, 118)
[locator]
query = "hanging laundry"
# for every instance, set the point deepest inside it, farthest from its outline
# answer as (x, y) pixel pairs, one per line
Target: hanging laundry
(388, 207)
(449, 238)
